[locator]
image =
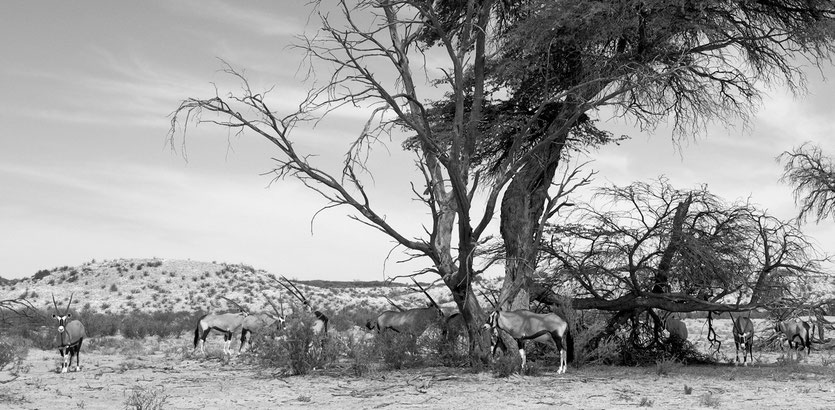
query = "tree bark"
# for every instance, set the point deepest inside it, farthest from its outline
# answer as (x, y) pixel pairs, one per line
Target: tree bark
(521, 212)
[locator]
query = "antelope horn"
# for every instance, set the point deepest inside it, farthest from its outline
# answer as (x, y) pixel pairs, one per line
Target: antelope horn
(427, 294)
(235, 303)
(273, 305)
(299, 292)
(394, 304)
(69, 303)
(284, 286)
(54, 303)
(295, 291)
(487, 299)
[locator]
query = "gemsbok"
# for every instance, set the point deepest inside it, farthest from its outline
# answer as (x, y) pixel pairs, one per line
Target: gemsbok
(320, 327)
(676, 328)
(412, 321)
(546, 328)
(743, 332)
(261, 323)
(226, 323)
(797, 333)
(70, 335)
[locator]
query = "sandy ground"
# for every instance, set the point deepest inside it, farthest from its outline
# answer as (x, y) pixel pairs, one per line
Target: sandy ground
(107, 380)
(113, 372)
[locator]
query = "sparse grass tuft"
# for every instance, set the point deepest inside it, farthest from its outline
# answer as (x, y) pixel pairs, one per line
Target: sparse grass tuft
(665, 366)
(710, 400)
(505, 366)
(688, 390)
(645, 402)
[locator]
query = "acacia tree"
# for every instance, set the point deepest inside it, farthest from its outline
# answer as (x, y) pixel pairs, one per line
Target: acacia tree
(370, 52)
(706, 255)
(682, 60)
(813, 176)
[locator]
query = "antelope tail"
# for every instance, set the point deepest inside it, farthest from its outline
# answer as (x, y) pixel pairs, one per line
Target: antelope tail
(569, 345)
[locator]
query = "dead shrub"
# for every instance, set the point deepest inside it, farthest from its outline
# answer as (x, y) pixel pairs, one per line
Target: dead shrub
(13, 352)
(142, 398)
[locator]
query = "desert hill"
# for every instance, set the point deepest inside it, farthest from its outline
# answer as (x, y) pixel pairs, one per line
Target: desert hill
(149, 285)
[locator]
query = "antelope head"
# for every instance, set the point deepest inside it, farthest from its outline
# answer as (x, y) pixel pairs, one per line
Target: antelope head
(62, 319)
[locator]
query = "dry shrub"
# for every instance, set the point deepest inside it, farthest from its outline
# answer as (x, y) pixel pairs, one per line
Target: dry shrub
(399, 350)
(505, 366)
(298, 349)
(605, 351)
(13, 352)
(361, 352)
(142, 398)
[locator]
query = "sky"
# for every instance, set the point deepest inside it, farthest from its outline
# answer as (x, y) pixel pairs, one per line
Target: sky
(86, 170)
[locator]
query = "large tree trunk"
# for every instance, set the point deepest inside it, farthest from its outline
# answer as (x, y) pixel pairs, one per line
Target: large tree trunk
(474, 317)
(521, 213)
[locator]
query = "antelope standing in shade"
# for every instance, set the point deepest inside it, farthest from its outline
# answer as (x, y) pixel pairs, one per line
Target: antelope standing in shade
(795, 331)
(546, 328)
(70, 336)
(743, 332)
(412, 321)
(676, 328)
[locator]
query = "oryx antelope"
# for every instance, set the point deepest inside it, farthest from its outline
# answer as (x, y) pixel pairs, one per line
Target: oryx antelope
(258, 324)
(454, 325)
(743, 332)
(676, 327)
(320, 327)
(413, 321)
(545, 328)
(226, 323)
(261, 323)
(797, 333)
(70, 336)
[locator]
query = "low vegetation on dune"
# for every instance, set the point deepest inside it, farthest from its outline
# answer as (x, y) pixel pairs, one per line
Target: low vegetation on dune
(159, 285)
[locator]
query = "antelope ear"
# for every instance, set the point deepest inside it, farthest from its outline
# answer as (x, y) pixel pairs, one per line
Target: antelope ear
(69, 314)
(54, 316)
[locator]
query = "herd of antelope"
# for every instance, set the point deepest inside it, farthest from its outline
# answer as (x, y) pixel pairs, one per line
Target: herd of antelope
(521, 325)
